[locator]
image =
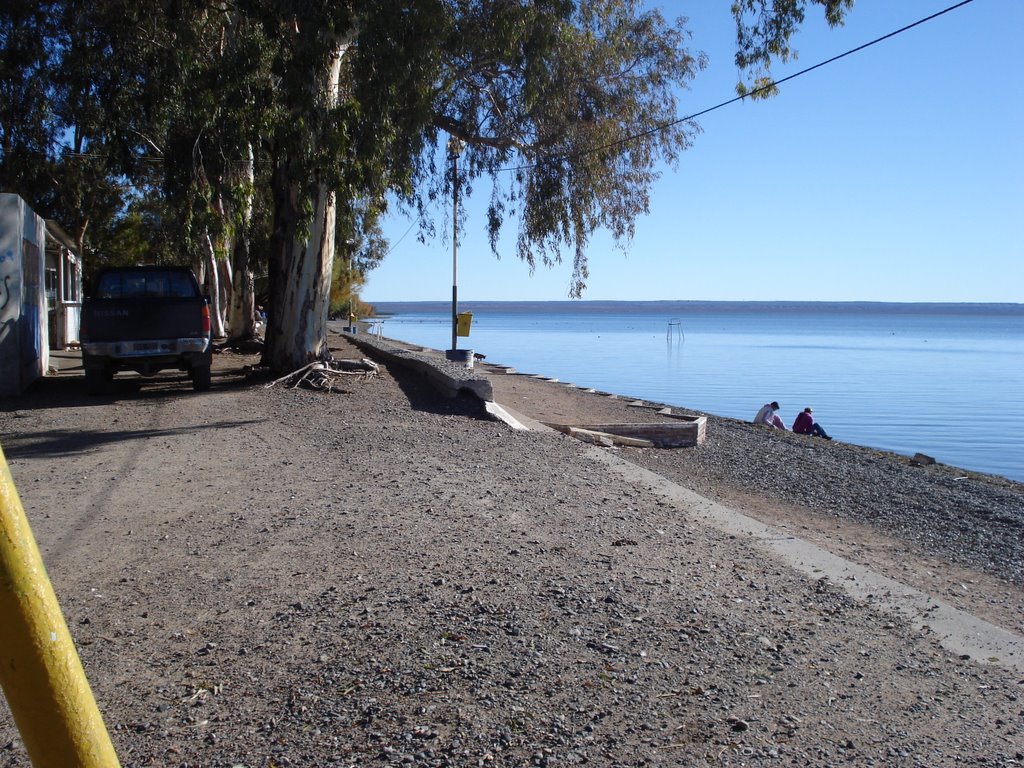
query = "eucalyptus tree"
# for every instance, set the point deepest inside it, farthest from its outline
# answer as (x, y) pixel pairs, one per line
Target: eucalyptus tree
(361, 247)
(568, 106)
(137, 235)
(62, 147)
(764, 32)
(95, 154)
(209, 87)
(64, 139)
(27, 123)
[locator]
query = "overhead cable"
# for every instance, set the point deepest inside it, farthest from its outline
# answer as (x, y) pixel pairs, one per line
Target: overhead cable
(753, 92)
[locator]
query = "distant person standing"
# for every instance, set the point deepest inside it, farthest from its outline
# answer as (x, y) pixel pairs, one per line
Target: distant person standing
(768, 417)
(806, 425)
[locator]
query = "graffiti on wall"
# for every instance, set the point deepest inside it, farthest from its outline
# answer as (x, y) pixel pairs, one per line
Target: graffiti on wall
(9, 303)
(31, 313)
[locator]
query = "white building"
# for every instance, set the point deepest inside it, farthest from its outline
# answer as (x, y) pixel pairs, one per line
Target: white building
(40, 293)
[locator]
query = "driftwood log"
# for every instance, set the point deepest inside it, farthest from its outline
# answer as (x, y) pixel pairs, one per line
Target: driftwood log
(607, 439)
(326, 375)
(682, 431)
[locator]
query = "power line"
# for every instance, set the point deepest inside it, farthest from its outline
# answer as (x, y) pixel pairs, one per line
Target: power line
(399, 241)
(755, 91)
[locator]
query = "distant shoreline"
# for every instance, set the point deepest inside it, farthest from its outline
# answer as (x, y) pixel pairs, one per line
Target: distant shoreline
(678, 407)
(389, 308)
(883, 356)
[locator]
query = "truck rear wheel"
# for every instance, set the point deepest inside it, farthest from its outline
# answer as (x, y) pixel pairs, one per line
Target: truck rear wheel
(97, 380)
(200, 377)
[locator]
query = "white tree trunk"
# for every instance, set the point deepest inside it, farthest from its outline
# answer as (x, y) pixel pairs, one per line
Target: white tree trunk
(301, 301)
(242, 312)
(306, 296)
(225, 284)
(213, 285)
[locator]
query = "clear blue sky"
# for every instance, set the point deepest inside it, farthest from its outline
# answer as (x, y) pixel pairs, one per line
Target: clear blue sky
(895, 174)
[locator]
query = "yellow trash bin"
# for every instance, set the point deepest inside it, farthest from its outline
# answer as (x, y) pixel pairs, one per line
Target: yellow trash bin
(465, 320)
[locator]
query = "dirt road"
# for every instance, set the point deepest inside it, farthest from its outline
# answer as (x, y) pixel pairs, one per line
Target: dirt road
(273, 577)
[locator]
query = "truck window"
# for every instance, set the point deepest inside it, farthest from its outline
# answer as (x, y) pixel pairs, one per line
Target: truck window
(158, 284)
(109, 287)
(181, 286)
(133, 285)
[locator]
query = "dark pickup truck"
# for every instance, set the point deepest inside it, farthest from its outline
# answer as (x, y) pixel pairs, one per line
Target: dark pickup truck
(145, 319)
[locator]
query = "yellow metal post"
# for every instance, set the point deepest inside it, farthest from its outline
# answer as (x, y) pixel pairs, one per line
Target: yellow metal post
(41, 674)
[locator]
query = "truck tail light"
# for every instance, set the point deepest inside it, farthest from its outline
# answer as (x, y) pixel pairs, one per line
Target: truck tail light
(206, 319)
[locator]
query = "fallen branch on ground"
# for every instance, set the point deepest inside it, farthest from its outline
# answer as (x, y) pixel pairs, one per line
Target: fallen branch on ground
(325, 375)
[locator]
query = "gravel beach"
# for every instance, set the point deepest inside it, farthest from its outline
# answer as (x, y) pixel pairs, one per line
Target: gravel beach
(383, 576)
(879, 508)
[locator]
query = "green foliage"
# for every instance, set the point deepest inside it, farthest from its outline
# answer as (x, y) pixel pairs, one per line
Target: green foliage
(764, 29)
(27, 124)
(123, 119)
(136, 237)
(67, 141)
(578, 98)
(355, 257)
(761, 88)
(212, 102)
(345, 285)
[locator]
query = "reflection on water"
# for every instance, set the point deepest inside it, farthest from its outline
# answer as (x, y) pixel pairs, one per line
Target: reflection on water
(943, 380)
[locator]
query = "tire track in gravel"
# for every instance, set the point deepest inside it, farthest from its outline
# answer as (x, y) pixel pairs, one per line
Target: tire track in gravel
(126, 454)
(124, 467)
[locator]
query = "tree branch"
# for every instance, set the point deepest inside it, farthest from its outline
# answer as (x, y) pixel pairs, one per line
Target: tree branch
(456, 129)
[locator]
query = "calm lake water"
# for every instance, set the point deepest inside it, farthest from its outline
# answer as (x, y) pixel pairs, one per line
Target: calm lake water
(943, 379)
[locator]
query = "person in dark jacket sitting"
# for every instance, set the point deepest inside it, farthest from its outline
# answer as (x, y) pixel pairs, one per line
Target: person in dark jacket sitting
(806, 425)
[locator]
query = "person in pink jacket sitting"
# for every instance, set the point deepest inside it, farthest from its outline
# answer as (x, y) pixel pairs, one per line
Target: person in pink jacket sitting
(768, 417)
(806, 425)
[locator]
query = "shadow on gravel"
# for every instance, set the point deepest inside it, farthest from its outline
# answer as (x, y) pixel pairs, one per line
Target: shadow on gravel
(68, 391)
(424, 396)
(60, 442)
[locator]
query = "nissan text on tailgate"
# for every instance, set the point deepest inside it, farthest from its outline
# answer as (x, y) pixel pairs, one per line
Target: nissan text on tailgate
(145, 319)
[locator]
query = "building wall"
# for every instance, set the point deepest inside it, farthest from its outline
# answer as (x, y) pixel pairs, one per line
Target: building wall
(35, 341)
(11, 207)
(63, 288)
(23, 334)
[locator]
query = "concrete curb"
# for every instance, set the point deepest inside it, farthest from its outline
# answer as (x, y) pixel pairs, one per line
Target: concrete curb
(448, 378)
(515, 419)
